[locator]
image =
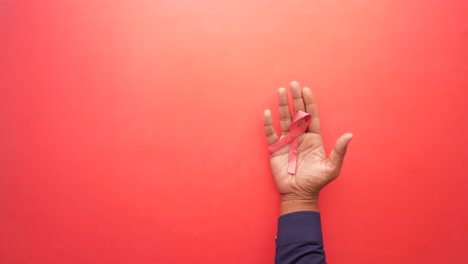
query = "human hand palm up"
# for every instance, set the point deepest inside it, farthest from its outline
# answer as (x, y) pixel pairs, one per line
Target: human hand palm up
(314, 169)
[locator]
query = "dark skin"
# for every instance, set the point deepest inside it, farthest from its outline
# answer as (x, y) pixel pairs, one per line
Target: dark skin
(314, 170)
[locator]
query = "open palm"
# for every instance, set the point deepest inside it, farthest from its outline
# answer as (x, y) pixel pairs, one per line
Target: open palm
(314, 169)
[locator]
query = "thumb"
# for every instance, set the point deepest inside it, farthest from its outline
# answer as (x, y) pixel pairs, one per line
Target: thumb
(339, 150)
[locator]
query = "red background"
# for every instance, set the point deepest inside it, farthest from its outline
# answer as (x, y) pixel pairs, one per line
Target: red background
(131, 131)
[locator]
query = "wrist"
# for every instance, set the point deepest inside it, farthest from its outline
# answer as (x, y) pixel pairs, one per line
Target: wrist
(290, 206)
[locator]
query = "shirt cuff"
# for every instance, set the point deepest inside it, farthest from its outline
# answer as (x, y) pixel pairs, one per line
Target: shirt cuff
(299, 227)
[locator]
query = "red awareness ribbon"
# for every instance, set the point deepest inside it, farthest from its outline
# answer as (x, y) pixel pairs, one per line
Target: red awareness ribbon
(291, 139)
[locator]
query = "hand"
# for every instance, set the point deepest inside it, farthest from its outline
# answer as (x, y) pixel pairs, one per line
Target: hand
(314, 170)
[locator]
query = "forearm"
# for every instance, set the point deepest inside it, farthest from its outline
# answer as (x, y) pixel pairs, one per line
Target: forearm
(299, 238)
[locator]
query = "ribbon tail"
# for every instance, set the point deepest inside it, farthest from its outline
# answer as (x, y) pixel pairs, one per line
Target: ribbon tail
(292, 157)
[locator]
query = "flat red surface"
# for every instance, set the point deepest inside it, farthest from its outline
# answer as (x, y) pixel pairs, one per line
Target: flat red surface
(131, 131)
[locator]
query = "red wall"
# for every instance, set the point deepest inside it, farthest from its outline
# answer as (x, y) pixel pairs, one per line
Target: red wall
(131, 131)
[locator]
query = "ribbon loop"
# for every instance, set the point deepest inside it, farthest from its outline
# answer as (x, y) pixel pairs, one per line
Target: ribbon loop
(291, 138)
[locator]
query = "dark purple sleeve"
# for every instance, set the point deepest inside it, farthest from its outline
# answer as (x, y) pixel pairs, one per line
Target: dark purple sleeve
(299, 239)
